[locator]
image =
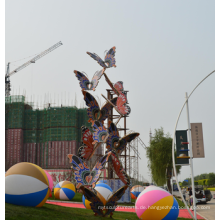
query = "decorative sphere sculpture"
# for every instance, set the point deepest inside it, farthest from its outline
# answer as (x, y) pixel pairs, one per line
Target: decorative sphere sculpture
(136, 190)
(26, 184)
(104, 191)
(64, 190)
(50, 182)
(156, 203)
(86, 202)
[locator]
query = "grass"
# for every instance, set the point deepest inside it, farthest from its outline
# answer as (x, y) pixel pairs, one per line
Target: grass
(78, 198)
(48, 212)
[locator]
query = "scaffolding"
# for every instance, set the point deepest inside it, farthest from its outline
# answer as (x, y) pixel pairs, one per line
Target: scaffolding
(41, 128)
(130, 156)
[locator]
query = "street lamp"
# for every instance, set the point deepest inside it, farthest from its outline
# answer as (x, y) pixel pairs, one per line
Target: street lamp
(173, 152)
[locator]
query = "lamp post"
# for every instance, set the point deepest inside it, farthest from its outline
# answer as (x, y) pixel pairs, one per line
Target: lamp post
(173, 152)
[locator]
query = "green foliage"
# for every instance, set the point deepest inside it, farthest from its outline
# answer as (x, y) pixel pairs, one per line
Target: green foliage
(202, 176)
(211, 177)
(184, 183)
(55, 212)
(211, 189)
(159, 154)
(200, 182)
(196, 183)
(207, 183)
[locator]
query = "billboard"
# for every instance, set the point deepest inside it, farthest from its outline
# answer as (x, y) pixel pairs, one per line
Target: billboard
(182, 148)
(197, 140)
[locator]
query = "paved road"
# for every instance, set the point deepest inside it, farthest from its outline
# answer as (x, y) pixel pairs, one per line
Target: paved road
(206, 210)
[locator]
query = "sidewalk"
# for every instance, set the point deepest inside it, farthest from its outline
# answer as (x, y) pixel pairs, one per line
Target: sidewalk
(183, 213)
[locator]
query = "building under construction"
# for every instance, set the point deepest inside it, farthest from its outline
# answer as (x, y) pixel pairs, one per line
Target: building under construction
(43, 137)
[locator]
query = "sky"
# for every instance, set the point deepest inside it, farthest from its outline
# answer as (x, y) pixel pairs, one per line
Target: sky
(163, 50)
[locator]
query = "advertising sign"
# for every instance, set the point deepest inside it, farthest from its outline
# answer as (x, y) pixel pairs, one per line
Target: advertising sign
(197, 140)
(61, 175)
(182, 147)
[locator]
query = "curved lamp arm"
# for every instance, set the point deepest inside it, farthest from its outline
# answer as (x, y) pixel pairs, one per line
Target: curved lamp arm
(174, 134)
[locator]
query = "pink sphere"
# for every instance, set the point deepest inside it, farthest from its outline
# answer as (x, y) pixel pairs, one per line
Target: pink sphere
(50, 182)
(156, 203)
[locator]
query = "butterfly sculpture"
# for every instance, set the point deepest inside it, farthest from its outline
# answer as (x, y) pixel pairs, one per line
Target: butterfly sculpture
(100, 133)
(87, 150)
(121, 104)
(94, 112)
(119, 170)
(83, 175)
(100, 207)
(115, 142)
(117, 87)
(84, 82)
(109, 58)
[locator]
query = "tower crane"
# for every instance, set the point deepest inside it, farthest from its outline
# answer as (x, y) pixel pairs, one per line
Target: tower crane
(8, 73)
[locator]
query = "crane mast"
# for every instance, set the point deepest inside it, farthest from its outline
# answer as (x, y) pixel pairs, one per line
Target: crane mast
(8, 73)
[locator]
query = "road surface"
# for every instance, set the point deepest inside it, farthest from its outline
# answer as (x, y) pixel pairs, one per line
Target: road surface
(205, 210)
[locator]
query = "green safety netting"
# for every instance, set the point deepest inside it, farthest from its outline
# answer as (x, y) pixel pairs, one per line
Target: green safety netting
(49, 124)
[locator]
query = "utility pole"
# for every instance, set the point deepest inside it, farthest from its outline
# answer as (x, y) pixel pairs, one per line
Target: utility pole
(190, 152)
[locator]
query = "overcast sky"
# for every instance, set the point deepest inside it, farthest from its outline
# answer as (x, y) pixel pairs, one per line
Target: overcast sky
(163, 49)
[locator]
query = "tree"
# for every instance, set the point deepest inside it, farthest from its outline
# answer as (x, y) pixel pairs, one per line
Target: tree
(211, 177)
(160, 162)
(203, 176)
(207, 183)
(184, 183)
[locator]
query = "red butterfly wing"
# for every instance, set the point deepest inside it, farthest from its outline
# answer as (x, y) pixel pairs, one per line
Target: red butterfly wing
(121, 104)
(121, 99)
(119, 170)
(87, 136)
(86, 150)
(119, 86)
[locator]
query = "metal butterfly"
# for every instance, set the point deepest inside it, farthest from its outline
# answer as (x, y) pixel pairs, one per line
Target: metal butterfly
(84, 82)
(100, 207)
(83, 175)
(114, 142)
(94, 112)
(87, 150)
(100, 133)
(109, 58)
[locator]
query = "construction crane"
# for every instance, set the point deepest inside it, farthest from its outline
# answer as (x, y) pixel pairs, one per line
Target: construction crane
(7, 75)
